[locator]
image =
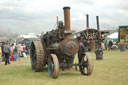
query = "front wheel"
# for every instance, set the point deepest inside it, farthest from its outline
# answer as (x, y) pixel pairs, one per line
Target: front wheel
(53, 66)
(86, 67)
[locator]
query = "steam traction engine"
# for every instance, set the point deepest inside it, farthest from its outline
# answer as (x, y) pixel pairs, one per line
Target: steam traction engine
(57, 49)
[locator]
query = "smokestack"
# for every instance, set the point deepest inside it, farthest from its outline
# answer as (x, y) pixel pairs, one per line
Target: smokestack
(67, 17)
(57, 20)
(87, 21)
(97, 20)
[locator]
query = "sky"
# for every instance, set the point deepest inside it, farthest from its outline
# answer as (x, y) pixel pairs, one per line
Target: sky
(25, 16)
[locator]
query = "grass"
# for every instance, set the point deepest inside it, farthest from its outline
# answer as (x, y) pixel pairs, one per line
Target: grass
(112, 70)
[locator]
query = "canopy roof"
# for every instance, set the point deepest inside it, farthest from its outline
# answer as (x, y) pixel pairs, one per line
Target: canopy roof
(113, 35)
(27, 36)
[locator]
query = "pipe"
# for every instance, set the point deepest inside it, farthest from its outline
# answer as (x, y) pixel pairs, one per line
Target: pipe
(87, 21)
(57, 20)
(67, 17)
(97, 20)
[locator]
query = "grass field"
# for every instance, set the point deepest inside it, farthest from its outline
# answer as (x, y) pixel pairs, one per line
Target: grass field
(113, 70)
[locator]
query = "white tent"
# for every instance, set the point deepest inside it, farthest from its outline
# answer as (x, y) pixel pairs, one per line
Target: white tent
(114, 35)
(27, 36)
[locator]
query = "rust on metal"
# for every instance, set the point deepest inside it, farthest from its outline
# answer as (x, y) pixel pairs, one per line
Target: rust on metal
(69, 47)
(57, 48)
(67, 17)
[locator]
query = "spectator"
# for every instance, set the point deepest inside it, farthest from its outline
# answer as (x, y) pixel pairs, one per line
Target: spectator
(110, 44)
(19, 48)
(27, 49)
(14, 48)
(7, 51)
(3, 56)
(81, 50)
(103, 45)
(23, 50)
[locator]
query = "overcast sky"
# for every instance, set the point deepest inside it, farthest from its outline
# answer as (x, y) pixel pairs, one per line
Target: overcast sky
(24, 16)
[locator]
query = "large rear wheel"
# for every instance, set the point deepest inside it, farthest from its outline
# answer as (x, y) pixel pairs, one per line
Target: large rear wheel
(53, 66)
(37, 56)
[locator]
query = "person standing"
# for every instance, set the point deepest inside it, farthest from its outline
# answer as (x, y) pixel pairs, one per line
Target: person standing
(3, 56)
(110, 44)
(7, 51)
(19, 48)
(81, 50)
(14, 48)
(103, 45)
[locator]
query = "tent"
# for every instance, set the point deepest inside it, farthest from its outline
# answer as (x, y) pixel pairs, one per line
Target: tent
(27, 36)
(3, 39)
(113, 37)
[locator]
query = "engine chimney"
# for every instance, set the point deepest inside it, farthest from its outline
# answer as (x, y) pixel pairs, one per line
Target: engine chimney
(97, 20)
(87, 21)
(67, 17)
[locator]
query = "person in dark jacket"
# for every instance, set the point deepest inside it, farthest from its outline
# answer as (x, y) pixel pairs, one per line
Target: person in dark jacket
(110, 44)
(7, 51)
(82, 50)
(3, 56)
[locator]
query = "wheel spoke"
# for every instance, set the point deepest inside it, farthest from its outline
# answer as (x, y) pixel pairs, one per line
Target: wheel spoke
(86, 67)
(53, 66)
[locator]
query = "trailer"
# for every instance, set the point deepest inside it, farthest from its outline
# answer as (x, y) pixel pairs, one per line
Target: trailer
(123, 37)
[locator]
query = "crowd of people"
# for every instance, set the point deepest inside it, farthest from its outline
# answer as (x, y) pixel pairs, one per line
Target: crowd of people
(13, 51)
(110, 45)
